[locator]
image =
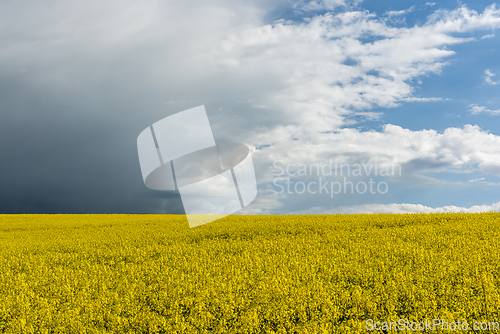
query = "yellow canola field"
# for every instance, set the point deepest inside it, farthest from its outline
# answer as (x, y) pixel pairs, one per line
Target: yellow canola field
(245, 274)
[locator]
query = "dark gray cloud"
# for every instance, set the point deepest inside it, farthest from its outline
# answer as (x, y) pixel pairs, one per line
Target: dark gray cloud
(80, 81)
(58, 159)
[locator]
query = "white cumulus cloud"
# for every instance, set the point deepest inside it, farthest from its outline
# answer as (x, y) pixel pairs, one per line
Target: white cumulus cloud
(475, 109)
(404, 208)
(488, 76)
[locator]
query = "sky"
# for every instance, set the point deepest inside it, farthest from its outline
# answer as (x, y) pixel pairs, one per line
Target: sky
(402, 96)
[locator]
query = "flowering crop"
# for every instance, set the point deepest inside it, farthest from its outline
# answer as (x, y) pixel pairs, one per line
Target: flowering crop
(245, 274)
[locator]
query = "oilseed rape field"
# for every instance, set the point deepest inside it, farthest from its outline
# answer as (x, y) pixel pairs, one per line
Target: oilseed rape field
(246, 274)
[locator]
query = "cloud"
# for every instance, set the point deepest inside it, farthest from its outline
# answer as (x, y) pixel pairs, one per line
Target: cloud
(475, 110)
(400, 12)
(464, 19)
(81, 81)
(425, 99)
(404, 208)
(468, 150)
(488, 36)
(328, 75)
(325, 71)
(318, 5)
(477, 180)
(455, 149)
(488, 76)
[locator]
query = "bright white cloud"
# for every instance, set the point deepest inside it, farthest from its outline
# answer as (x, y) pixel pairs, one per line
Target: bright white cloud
(400, 12)
(328, 72)
(488, 76)
(425, 99)
(404, 208)
(475, 109)
(464, 19)
(456, 149)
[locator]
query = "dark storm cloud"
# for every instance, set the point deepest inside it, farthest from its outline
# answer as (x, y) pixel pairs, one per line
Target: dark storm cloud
(78, 83)
(80, 80)
(56, 159)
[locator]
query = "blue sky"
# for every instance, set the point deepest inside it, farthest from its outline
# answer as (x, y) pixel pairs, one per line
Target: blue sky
(377, 83)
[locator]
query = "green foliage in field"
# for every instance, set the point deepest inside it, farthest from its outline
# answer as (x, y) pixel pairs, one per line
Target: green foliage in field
(245, 274)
